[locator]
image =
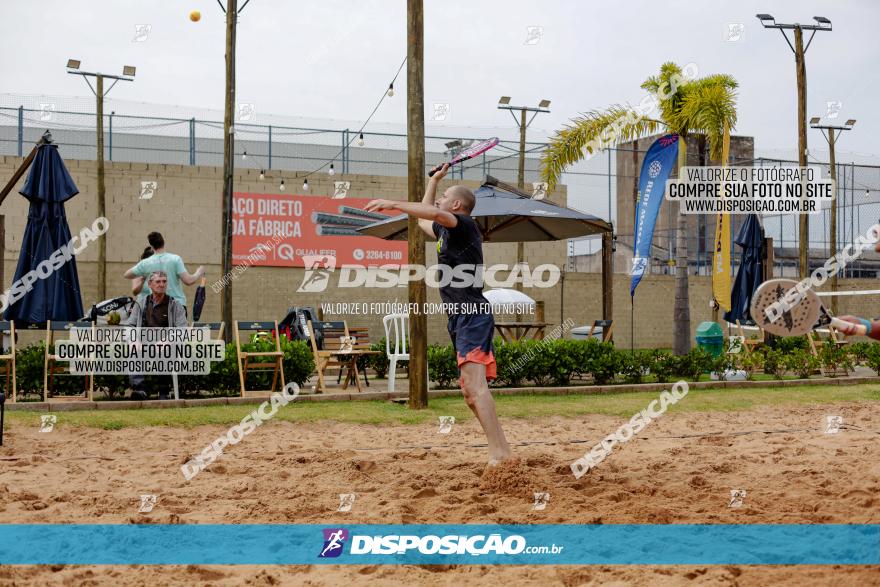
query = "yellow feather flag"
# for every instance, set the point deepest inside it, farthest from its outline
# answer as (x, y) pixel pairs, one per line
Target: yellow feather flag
(721, 255)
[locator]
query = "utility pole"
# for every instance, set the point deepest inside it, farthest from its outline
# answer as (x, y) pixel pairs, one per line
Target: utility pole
(415, 140)
(232, 11)
(128, 72)
(831, 138)
(504, 104)
(228, 162)
(801, 69)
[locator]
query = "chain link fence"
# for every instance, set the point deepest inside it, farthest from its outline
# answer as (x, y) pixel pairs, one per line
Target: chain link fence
(592, 184)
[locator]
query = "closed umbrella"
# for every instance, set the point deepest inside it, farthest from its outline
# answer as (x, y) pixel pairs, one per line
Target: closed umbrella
(56, 296)
(199, 301)
(750, 273)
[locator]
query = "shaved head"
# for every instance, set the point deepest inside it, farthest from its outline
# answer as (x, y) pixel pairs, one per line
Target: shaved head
(463, 195)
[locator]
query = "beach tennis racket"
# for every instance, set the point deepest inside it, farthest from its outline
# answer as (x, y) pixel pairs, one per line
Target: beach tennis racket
(469, 153)
(800, 318)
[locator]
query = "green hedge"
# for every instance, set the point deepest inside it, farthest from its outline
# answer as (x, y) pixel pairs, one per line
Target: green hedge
(522, 363)
(557, 362)
(223, 380)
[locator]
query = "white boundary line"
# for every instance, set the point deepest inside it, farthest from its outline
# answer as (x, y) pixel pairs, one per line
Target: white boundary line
(862, 292)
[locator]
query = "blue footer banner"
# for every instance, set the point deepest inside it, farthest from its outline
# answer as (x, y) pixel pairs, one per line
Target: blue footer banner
(565, 544)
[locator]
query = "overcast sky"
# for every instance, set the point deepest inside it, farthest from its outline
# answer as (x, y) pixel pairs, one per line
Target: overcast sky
(329, 59)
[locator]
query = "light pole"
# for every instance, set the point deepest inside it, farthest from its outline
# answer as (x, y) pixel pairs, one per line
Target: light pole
(832, 140)
(128, 71)
(801, 69)
(504, 104)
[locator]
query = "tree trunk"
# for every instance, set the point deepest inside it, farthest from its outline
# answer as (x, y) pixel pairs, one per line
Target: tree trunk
(681, 314)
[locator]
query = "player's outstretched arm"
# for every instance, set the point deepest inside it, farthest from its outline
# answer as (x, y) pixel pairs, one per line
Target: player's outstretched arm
(417, 209)
(873, 326)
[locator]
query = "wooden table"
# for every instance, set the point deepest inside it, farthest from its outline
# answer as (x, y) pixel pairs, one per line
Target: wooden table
(509, 330)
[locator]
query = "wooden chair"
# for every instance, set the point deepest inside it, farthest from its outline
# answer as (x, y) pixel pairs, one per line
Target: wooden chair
(250, 361)
(51, 368)
(338, 351)
(7, 359)
(361, 336)
(607, 327)
(749, 343)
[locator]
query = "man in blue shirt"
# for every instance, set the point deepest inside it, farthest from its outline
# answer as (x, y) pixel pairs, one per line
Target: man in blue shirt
(169, 263)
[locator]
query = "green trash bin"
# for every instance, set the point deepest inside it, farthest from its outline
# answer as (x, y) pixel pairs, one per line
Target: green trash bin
(710, 338)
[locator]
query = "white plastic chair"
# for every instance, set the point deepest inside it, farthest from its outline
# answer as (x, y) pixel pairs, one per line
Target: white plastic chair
(396, 329)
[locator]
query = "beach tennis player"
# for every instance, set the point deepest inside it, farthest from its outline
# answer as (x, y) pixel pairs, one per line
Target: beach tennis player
(471, 326)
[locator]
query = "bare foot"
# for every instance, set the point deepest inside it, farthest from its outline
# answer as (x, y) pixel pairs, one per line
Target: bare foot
(495, 461)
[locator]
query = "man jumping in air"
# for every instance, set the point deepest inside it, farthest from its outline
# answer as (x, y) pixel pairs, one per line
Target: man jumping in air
(471, 328)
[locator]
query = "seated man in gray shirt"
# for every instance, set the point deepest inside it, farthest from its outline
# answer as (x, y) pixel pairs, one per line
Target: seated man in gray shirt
(157, 310)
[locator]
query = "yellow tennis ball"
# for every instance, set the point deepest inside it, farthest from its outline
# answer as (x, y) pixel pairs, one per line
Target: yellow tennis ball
(195, 16)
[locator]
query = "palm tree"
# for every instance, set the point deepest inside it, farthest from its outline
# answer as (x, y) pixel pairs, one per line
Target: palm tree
(704, 105)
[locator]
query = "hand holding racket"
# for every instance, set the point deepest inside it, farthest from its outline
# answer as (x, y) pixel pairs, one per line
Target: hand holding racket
(855, 326)
(469, 153)
(808, 313)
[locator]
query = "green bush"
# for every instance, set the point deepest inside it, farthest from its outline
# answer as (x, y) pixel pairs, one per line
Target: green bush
(801, 362)
(442, 365)
(872, 357)
(603, 360)
(634, 366)
(563, 356)
(663, 365)
(29, 367)
(379, 362)
(859, 351)
(722, 364)
(511, 358)
(787, 344)
(750, 362)
(692, 365)
(298, 365)
(540, 366)
(833, 357)
(773, 362)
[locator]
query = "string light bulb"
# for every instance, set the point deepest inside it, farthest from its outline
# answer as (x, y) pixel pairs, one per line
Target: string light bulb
(262, 174)
(306, 184)
(391, 89)
(281, 187)
(361, 140)
(244, 155)
(331, 171)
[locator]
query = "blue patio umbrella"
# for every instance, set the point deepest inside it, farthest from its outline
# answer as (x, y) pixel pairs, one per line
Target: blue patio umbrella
(751, 270)
(56, 296)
